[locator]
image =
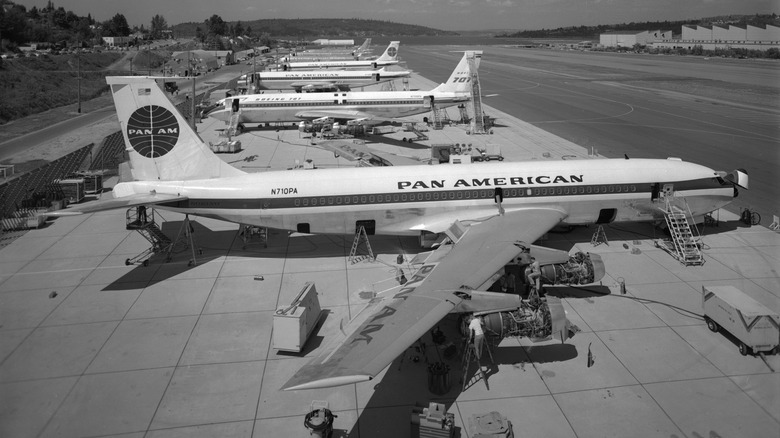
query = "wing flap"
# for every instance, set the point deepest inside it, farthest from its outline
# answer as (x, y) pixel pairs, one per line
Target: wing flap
(117, 203)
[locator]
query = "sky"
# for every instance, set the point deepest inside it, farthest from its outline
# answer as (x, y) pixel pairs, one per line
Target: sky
(439, 14)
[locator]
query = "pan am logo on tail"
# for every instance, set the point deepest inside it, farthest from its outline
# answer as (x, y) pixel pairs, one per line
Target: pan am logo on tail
(391, 51)
(152, 131)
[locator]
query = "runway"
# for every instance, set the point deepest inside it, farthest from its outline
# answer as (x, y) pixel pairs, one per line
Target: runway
(724, 114)
(91, 347)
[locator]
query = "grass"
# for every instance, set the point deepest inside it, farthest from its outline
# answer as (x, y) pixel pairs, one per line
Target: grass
(37, 84)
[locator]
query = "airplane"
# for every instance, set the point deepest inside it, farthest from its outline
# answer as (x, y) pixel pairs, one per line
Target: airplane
(489, 212)
(329, 53)
(389, 57)
(369, 107)
(321, 80)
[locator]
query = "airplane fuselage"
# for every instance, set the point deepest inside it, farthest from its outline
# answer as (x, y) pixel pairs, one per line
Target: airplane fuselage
(407, 200)
(376, 63)
(287, 107)
(297, 80)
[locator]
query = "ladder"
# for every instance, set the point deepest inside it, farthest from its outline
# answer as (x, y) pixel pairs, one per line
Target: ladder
(685, 247)
(360, 235)
(469, 356)
(478, 122)
(233, 123)
(599, 237)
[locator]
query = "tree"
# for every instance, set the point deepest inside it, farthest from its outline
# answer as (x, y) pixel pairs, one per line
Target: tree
(216, 26)
(158, 25)
(117, 26)
(199, 35)
(238, 30)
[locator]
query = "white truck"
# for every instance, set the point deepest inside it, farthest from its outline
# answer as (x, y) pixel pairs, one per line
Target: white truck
(756, 327)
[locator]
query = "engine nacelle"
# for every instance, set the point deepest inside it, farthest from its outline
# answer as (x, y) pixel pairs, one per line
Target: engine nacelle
(582, 268)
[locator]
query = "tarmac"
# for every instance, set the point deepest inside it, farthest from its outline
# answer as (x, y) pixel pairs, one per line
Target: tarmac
(92, 347)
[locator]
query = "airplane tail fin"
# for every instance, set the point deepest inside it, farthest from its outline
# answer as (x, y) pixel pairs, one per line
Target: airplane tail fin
(363, 47)
(160, 142)
(460, 79)
(391, 52)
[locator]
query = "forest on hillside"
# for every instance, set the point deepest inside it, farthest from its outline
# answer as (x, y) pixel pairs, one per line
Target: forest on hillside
(585, 32)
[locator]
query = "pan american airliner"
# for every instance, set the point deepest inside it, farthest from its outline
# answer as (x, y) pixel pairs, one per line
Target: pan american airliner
(365, 107)
(389, 57)
(490, 213)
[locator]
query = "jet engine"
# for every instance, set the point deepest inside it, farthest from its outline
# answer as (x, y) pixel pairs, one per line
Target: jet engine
(581, 268)
(537, 319)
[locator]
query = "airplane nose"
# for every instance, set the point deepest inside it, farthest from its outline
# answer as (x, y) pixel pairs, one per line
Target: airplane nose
(219, 114)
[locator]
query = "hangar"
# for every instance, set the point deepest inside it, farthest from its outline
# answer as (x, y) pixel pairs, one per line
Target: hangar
(708, 37)
(629, 38)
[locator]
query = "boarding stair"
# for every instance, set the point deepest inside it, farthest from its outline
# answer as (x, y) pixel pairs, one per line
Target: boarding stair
(440, 117)
(478, 122)
(684, 244)
(233, 123)
(360, 237)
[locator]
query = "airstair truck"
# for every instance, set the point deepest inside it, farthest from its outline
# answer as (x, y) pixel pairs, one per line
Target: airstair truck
(756, 327)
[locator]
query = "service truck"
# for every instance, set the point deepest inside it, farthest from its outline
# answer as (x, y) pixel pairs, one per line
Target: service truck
(756, 327)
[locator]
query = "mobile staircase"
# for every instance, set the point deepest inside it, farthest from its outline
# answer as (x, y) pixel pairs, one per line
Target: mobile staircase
(440, 117)
(685, 240)
(141, 219)
(233, 125)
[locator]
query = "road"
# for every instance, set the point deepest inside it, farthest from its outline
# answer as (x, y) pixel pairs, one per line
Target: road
(611, 103)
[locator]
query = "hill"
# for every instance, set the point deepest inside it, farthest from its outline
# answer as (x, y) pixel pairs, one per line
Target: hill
(586, 32)
(321, 28)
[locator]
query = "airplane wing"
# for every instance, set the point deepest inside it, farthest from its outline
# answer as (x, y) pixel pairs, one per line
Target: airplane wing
(394, 320)
(342, 115)
(116, 203)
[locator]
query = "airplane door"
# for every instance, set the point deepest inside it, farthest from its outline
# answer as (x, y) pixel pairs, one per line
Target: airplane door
(427, 101)
(668, 190)
(656, 189)
(234, 105)
(376, 77)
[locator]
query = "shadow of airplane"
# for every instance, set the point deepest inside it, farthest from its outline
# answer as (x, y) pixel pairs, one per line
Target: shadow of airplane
(409, 382)
(211, 245)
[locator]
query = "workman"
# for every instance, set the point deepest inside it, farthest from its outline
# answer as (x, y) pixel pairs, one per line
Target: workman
(477, 335)
(535, 274)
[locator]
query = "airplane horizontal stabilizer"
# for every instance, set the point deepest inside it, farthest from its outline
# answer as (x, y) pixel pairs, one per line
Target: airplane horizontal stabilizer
(117, 203)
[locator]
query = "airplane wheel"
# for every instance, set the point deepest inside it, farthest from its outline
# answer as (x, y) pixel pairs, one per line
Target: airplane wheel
(500, 158)
(146, 263)
(743, 349)
(127, 262)
(712, 325)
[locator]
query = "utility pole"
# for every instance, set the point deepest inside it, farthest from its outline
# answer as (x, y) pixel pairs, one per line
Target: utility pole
(192, 109)
(78, 77)
(149, 56)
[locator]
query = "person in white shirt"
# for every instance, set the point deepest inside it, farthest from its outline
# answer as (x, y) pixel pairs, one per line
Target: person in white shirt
(477, 335)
